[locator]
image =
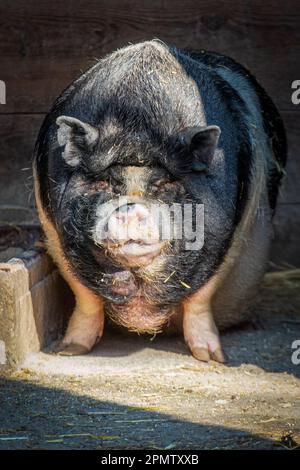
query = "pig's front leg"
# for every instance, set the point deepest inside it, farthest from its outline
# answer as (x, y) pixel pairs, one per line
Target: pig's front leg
(87, 321)
(200, 332)
(85, 326)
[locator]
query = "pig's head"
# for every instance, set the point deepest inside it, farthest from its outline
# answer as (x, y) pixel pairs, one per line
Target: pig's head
(115, 226)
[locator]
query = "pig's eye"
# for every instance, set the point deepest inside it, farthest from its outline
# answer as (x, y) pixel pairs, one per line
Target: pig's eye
(98, 184)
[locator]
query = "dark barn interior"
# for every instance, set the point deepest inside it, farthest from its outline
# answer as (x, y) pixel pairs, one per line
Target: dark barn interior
(251, 403)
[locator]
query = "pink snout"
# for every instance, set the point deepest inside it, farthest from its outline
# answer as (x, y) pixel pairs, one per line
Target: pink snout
(132, 222)
(133, 234)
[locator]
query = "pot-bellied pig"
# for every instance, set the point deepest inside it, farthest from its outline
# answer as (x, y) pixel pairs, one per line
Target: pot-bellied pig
(156, 176)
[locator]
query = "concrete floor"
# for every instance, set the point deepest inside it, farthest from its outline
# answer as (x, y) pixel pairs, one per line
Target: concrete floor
(131, 392)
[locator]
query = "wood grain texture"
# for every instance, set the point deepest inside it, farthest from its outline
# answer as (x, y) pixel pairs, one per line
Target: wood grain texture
(17, 137)
(43, 45)
(290, 189)
(285, 250)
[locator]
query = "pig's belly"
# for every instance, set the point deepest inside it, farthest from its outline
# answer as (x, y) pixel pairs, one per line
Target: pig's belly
(140, 315)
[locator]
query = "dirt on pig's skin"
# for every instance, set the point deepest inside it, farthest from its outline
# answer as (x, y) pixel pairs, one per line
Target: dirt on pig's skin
(134, 393)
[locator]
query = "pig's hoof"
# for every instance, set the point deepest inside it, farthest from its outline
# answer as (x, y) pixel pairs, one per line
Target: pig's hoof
(218, 356)
(203, 354)
(71, 349)
(201, 335)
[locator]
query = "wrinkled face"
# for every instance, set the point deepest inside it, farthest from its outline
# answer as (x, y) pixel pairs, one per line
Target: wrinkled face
(115, 223)
(130, 226)
(123, 213)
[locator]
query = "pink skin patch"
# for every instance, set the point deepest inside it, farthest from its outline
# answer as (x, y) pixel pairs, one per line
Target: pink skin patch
(138, 315)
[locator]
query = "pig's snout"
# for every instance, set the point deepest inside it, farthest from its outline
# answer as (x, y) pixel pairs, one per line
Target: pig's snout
(132, 234)
(131, 222)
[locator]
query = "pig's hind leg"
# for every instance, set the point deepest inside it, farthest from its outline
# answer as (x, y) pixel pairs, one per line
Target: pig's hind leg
(224, 300)
(247, 262)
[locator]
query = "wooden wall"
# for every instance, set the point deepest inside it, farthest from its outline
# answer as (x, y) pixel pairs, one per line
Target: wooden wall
(44, 45)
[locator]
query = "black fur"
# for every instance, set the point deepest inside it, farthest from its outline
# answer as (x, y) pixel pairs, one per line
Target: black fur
(272, 121)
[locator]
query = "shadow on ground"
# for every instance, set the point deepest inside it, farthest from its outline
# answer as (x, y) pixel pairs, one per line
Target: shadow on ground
(133, 392)
(36, 417)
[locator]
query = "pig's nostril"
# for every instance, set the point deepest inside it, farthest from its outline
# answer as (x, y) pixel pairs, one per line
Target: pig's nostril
(122, 209)
(131, 207)
(132, 210)
(127, 208)
(131, 222)
(143, 221)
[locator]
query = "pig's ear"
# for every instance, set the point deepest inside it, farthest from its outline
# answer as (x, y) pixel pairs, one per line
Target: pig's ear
(77, 137)
(202, 143)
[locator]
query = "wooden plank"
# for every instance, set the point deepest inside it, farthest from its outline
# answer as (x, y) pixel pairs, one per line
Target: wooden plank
(17, 137)
(33, 84)
(61, 25)
(43, 46)
(289, 191)
(35, 306)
